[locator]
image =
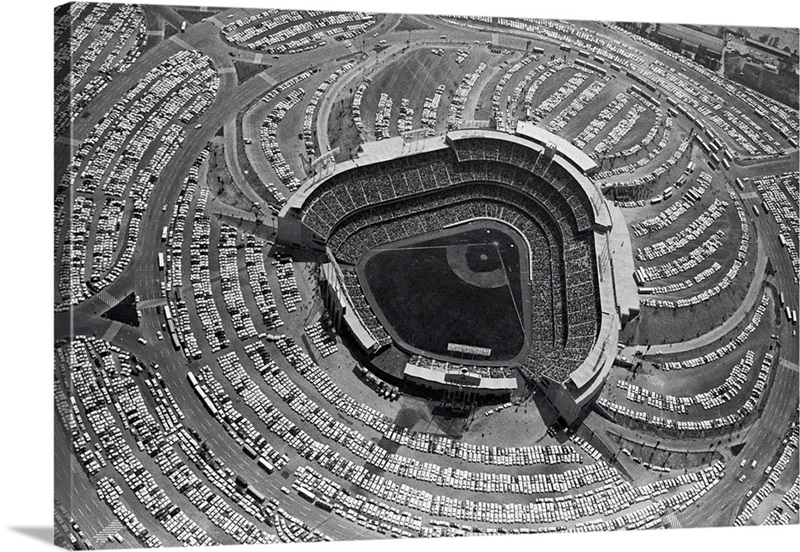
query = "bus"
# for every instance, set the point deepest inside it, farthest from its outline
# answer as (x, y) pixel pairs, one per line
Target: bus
(210, 406)
(183, 27)
(266, 465)
(755, 210)
(740, 184)
(257, 496)
(788, 312)
(726, 164)
(164, 234)
(192, 378)
(765, 207)
(248, 450)
(794, 316)
(783, 299)
(305, 493)
(160, 260)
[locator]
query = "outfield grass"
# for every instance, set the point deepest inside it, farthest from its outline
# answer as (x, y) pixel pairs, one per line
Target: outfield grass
(429, 306)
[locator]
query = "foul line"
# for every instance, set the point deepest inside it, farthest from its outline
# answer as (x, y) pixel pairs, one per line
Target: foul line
(511, 291)
(424, 247)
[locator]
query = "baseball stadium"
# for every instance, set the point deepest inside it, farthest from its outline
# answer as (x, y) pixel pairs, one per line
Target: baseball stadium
(327, 275)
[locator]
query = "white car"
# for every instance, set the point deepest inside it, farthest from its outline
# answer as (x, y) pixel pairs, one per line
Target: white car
(159, 335)
(142, 340)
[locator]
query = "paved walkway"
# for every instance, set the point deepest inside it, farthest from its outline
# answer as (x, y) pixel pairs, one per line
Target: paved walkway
(232, 160)
(182, 43)
(266, 76)
(112, 331)
(746, 306)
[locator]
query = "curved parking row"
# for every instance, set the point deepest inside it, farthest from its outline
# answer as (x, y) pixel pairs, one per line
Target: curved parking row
(686, 235)
(308, 119)
(720, 422)
(684, 263)
(598, 124)
(200, 264)
(173, 283)
(143, 118)
(227, 250)
(257, 278)
(128, 31)
(712, 398)
(497, 94)
(269, 140)
(726, 281)
(458, 102)
(577, 105)
(671, 214)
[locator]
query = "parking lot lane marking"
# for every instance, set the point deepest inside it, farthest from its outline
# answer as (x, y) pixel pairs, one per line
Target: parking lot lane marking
(268, 78)
(180, 42)
(786, 363)
(112, 331)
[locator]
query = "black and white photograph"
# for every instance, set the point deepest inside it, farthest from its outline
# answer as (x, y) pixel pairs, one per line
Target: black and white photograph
(329, 275)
